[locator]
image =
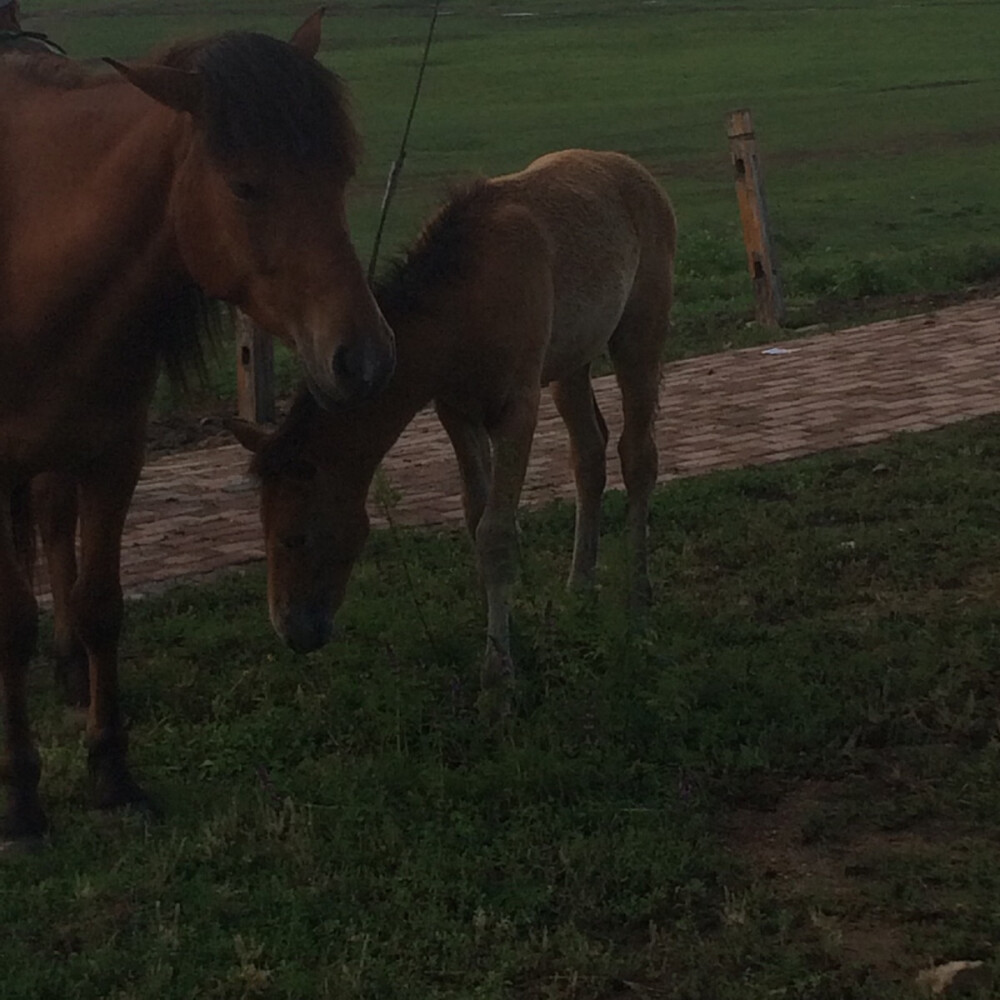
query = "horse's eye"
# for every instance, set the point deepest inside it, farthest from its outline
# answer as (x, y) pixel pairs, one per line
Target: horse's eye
(293, 542)
(247, 190)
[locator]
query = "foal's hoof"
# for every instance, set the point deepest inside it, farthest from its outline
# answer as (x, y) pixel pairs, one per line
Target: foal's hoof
(496, 696)
(640, 596)
(72, 676)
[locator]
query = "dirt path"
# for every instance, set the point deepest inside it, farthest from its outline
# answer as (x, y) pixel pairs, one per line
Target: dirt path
(195, 512)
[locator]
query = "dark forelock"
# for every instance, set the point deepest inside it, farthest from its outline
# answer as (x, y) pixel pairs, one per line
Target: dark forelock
(441, 254)
(265, 97)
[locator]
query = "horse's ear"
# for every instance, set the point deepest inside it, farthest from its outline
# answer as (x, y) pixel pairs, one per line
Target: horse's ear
(309, 34)
(252, 437)
(179, 89)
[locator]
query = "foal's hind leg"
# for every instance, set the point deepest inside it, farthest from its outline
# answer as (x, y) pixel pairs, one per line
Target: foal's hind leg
(471, 444)
(56, 513)
(20, 765)
(588, 435)
(97, 609)
(635, 352)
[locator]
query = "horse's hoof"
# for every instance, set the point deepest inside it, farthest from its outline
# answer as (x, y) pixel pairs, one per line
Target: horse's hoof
(18, 847)
(72, 676)
(23, 828)
(120, 791)
(112, 785)
(641, 596)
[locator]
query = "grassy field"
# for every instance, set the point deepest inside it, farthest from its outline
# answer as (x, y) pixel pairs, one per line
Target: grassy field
(878, 126)
(782, 784)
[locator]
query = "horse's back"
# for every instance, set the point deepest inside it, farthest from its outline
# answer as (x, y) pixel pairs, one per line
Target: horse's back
(619, 186)
(609, 234)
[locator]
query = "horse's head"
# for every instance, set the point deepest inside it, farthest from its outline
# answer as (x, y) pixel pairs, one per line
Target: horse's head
(315, 527)
(257, 204)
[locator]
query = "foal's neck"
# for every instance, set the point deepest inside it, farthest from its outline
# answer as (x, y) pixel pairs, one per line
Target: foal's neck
(361, 436)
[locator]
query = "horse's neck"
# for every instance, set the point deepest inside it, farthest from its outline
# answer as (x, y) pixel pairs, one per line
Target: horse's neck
(71, 188)
(104, 141)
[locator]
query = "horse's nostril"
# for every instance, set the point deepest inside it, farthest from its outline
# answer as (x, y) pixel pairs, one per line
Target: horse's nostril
(344, 364)
(362, 365)
(306, 630)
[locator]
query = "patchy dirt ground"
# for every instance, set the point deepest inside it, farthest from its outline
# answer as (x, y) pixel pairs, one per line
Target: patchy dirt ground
(198, 425)
(826, 850)
(184, 431)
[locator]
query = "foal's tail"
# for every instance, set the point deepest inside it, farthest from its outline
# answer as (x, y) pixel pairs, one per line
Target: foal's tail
(23, 528)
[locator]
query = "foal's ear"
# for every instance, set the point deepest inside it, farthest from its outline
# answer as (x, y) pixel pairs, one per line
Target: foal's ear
(179, 89)
(309, 33)
(252, 437)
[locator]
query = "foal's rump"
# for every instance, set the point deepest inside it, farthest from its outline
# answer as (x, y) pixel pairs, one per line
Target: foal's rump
(611, 234)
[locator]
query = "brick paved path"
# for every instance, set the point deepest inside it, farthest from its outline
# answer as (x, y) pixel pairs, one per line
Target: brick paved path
(195, 512)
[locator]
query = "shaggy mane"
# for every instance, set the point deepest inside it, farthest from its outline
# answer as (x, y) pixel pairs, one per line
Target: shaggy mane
(263, 96)
(441, 253)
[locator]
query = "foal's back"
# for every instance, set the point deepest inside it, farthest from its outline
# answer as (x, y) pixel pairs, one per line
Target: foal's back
(609, 237)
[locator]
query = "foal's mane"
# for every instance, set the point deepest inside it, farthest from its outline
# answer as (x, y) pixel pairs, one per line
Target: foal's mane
(441, 254)
(265, 97)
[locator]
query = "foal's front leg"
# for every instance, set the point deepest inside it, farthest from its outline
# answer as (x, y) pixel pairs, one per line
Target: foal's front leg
(471, 445)
(496, 545)
(97, 608)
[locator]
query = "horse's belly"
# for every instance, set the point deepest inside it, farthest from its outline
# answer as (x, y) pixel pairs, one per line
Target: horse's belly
(69, 426)
(580, 334)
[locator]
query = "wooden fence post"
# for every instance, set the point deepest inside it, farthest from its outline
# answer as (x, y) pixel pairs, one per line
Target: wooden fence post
(254, 371)
(770, 305)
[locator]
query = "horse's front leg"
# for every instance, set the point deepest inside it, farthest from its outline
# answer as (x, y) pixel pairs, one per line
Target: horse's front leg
(20, 765)
(96, 610)
(56, 511)
(497, 548)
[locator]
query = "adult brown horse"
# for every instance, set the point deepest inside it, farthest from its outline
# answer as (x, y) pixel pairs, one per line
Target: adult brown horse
(218, 169)
(520, 281)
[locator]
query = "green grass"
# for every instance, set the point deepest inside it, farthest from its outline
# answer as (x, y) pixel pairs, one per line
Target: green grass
(784, 783)
(877, 125)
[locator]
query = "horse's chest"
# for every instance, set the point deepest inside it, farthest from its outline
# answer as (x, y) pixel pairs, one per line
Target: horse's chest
(61, 411)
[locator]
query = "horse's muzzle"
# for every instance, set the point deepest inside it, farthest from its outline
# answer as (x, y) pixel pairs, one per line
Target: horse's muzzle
(305, 629)
(357, 372)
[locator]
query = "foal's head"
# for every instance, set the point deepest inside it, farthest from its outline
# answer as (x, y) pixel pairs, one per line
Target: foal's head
(312, 509)
(258, 199)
